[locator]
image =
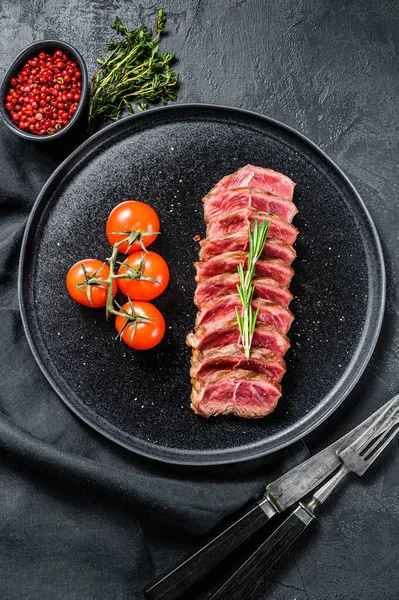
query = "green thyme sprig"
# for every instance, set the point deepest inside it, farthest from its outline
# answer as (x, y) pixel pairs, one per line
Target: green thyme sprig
(133, 71)
(248, 317)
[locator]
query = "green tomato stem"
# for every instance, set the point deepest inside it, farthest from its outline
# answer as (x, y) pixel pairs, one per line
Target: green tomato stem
(109, 307)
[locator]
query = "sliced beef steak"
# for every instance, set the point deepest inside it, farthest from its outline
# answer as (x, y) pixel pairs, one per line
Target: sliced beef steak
(221, 285)
(242, 393)
(223, 333)
(228, 262)
(265, 179)
(261, 360)
(239, 220)
(239, 241)
(224, 309)
(226, 381)
(219, 202)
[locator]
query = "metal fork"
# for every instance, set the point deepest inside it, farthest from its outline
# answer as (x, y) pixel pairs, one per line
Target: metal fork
(355, 458)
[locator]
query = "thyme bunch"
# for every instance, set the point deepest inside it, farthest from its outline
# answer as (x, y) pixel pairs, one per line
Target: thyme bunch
(134, 71)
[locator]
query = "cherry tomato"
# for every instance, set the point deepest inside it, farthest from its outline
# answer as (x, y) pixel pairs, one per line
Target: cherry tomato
(149, 264)
(145, 335)
(97, 295)
(131, 216)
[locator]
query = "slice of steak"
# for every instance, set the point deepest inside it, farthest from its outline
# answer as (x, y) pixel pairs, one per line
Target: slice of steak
(224, 308)
(241, 218)
(261, 360)
(222, 333)
(219, 202)
(221, 285)
(227, 263)
(239, 392)
(266, 179)
(239, 241)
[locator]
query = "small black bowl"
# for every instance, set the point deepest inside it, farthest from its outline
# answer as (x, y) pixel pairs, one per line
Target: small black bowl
(22, 58)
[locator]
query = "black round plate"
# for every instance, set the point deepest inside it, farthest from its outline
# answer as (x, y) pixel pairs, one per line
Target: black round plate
(170, 158)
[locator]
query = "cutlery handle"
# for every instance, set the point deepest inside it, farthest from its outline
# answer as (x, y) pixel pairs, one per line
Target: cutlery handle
(180, 577)
(241, 583)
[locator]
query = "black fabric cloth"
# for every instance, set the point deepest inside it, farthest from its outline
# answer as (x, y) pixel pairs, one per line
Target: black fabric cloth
(82, 519)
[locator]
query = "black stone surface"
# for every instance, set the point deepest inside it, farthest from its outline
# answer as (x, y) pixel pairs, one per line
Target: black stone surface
(81, 518)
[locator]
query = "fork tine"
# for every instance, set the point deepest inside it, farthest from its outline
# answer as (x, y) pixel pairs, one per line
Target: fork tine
(390, 413)
(359, 455)
(389, 418)
(376, 441)
(358, 464)
(370, 459)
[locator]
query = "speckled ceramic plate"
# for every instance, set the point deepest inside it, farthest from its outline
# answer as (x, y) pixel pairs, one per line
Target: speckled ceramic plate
(170, 158)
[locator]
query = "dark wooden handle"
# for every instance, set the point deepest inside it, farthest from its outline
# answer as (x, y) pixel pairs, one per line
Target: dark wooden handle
(242, 582)
(178, 579)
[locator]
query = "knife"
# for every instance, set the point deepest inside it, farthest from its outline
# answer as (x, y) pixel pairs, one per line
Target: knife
(354, 458)
(278, 496)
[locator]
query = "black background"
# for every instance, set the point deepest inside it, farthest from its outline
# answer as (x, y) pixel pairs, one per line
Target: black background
(81, 518)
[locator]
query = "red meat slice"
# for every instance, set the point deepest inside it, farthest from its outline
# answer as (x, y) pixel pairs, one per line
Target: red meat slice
(221, 285)
(227, 263)
(239, 241)
(266, 179)
(261, 360)
(223, 333)
(221, 201)
(242, 393)
(224, 309)
(241, 218)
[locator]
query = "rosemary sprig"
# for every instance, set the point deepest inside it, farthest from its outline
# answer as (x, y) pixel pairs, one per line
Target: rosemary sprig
(247, 320)
(133, 71)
